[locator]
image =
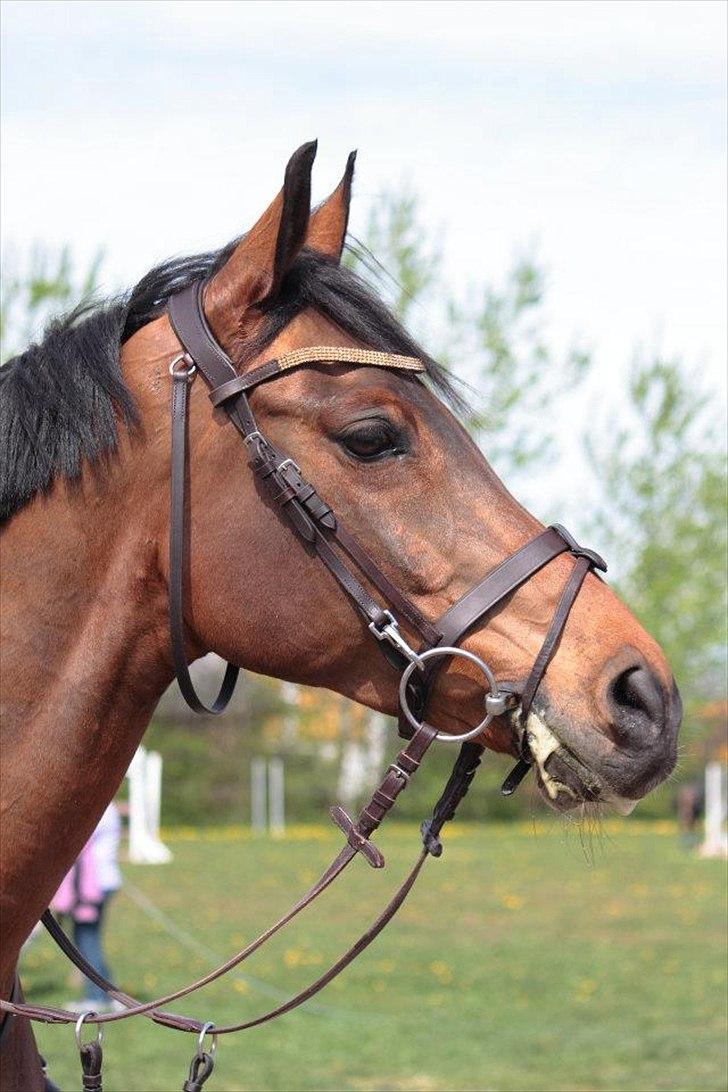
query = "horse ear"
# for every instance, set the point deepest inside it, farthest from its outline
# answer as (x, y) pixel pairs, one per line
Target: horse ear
(252, 275)
(327, 226)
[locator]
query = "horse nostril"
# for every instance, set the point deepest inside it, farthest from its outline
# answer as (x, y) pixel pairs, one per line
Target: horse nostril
(638, 704)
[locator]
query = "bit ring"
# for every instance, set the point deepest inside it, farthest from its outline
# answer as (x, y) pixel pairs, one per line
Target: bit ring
(493, 697)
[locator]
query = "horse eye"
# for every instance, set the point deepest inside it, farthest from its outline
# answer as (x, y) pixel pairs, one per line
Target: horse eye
(370, 440)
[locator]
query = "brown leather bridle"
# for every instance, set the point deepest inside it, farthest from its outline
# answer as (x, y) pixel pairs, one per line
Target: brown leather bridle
(316, 525)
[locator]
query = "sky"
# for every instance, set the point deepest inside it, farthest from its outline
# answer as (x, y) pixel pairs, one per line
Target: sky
(590, 133)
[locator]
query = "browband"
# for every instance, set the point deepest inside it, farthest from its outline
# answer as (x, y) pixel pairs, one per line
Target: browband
(321, 354)
(313, 354)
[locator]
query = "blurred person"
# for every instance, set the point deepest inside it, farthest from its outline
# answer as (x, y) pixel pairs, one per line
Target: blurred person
(84, 895)
(690, 809)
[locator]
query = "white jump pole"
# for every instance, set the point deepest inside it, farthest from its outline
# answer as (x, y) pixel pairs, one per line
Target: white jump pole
(716, 836)
(154, 802)
(289, 727)
(145, 801)
(258, 795)
(276, 797)
(135, 775)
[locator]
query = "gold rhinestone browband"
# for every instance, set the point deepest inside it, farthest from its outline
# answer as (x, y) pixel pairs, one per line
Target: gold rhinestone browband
(341, 354)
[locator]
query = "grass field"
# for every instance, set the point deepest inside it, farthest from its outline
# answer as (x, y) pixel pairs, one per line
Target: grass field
(523, 961)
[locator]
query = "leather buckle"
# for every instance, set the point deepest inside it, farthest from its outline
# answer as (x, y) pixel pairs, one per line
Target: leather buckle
(398, 770)
(285, 464)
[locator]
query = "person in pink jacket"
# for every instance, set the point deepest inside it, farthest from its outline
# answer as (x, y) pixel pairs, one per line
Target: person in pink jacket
(84, 895)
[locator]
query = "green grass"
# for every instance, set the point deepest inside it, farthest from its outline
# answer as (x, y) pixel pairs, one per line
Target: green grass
(518, 964)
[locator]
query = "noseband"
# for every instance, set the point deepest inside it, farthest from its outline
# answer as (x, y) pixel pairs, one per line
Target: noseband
(386, 615)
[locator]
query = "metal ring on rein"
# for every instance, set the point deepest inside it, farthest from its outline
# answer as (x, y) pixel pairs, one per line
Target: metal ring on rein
(207, 1029)
(79, 1025)
(187, 372)
(494, 699)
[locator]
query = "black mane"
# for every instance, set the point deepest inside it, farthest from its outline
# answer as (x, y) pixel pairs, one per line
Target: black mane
(62, 399)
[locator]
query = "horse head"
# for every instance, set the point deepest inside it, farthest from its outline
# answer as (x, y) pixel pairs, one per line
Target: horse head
(389, 456)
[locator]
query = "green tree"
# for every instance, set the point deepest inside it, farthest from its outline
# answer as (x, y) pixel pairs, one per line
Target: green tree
(36, 287)
(660, 509)
(519, 376)
(397, 254)
(496, 338)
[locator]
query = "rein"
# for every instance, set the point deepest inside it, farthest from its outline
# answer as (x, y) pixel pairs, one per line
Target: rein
(384, 612)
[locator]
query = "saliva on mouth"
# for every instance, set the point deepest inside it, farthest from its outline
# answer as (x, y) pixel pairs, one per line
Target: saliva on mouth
(539, 745)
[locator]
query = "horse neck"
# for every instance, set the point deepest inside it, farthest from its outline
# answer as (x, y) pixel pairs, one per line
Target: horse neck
(85, 660)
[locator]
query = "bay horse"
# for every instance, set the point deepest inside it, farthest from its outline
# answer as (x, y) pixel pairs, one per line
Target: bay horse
(87, 574)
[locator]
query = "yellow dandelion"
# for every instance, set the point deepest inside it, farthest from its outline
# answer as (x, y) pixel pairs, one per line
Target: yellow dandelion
(587, 987)
(442, 972)
(385, 966)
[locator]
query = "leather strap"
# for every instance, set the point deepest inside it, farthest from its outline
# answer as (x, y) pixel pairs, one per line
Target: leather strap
(187, 316)
(9, 1016)
(498, 584)
(555, 631)
(312, 354)
(408, 611)
(177, 567)
(349, 956)
(394, 781)
(473, 608)
(201, 1068)
(476, 604)
(458, 784)
(587, 560)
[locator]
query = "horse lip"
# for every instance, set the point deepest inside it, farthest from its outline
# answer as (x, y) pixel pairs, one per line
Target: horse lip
(587, 785)
(562, 777)
(577, 780)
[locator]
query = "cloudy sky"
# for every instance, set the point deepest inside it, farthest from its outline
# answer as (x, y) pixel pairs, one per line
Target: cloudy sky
(594, 132)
